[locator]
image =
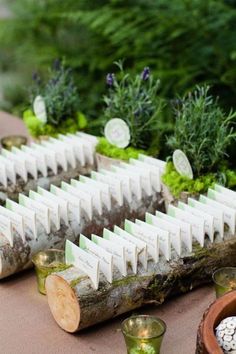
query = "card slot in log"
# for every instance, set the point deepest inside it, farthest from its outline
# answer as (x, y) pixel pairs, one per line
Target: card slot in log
(17, 258)
(75, 304)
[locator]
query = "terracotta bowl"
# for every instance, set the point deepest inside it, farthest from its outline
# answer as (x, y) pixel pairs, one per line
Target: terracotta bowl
(223, 307)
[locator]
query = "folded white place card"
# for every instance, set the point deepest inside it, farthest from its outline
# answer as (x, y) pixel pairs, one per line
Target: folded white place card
(10, 169)
(63, 204)
(95, 194)
(196, 222)
(86, 199)
(145, 175)
(69, 151)
(88, 148)
(29, 216)
(226, 191)
(30, 161)
(216, 213)
(3, 174)
(152, 161)
(74, 203)
(52, 205)
(130, 249)
(84, 261)
(114, 184)
(118, 252)
(149, 237)
(230, 201)
(141, 245)
(174, 230)
(40, 159)
(60, 153)
(185, 228)
(92, 138)
(208, 219)
(135, 180)
(19, 162)
(154, 171)
(163, 235)
(50, 156)
(103, 187)
(105, 258)
(6, 229)
(77, 147)
(124, 180)
(16, 220)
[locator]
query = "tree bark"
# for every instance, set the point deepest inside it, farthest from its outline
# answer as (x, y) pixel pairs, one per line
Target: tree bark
(76, 305)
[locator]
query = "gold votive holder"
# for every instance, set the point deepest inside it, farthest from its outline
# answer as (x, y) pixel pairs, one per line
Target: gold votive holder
(13, 140)
(143, 334)
(224, 280)
(47, 262)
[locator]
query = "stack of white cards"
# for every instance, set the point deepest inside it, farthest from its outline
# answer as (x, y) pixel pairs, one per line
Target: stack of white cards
(66, 151)
(161, 235)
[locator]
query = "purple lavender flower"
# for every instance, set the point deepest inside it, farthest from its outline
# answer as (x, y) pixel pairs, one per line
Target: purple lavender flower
(145, 74)
(110, 79)
(56, 64)
(36, 78)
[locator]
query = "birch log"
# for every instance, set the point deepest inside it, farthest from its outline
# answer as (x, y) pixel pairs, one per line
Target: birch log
(76, 305)
(17, 258)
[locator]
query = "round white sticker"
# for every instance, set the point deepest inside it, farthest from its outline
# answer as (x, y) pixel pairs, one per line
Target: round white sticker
(117, 132)
(182, 164)
(39, 108)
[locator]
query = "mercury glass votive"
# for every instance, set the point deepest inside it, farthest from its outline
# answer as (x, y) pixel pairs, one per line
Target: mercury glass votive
(143, 334)
(224, 280)
(13, 140)
(47, 262)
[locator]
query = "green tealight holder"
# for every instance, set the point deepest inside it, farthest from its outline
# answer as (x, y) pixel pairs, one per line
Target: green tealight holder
(224, 280)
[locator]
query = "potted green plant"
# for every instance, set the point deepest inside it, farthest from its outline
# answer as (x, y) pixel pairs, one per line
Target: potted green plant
(131, 116)
(203, 132)
(54, 104)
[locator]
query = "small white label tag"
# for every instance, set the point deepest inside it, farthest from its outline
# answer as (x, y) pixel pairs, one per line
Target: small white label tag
(196, 222)
(3, 174)
(63, 204)
(29, 216)
(163, 235)
(10, 169)
(124, 180)
(174, 230)
(152, 161)
(60, 153)
(104, 188)
(151, 238)
(117, 251)
(117, 132)
(182, 164)
(16, 220)
(77, 147)
(208, 219)
(51, 204)
(105, 258)
(185, 228)
(216, 213)
(69, 151)
(6, 229)
(95, 194)
(135, 180)
(19, 163)
(130, 249)
(30, 162)
(83, 261)
(145, 176)
(154, 171)
(74, 204)
(114, 184)
(39, 109)
(141, 245)
(86, 199)
(50, 156)
(40, 159)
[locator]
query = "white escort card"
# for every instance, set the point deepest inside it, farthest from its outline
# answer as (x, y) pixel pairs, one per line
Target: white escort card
(86, 199)
(196, 222)
(141, 245)
(226, 191)
(69, 151)
(114, 184)
(152, 161)
(135, 180)
(118, 252)
(105, 258)
(145, 175)
(10, 169)
(163, 235)
(208, 219)
(154, 171)
(52, 206)
(19, 163)
(29, 216)
(174, 230)
(216, 213)
(6, 229)
(103, 187)
(124, 180)
(83, 261)
(30, 162)
(130, 249)
(50, 156)
(40, 159)
(60, 153)
(149, 237)
(92, 138)
(41, 211)
(87, 148)
(77, 147)
(63, 204)
(74, 203)
(230, 201)
(95, 194)
(185, 228)
(16, 220)
(3, 174)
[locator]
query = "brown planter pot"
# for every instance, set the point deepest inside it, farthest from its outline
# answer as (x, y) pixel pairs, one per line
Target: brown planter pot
(170, 199)
(105, 162)
(223, 307)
